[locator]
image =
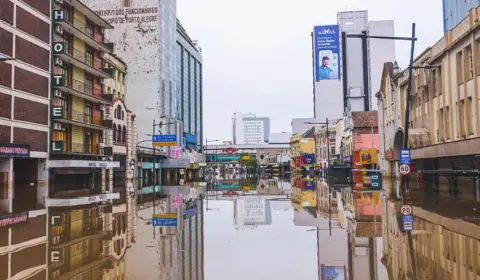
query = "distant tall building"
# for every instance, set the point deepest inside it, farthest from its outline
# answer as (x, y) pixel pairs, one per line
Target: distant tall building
(189, 93)
(279, 137)
(248, 129)
(251, 212)
(347, 71)
(454, 11)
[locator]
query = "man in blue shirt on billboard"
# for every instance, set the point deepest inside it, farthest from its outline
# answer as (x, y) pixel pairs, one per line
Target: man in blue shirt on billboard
(324, 70)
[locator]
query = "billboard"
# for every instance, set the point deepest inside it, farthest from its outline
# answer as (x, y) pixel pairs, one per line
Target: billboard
(326, 40)
(333, 273)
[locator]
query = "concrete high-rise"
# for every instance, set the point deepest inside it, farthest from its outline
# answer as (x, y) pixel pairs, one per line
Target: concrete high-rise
(454, 11)
(189, 94)
(249, 129)
(360, 64)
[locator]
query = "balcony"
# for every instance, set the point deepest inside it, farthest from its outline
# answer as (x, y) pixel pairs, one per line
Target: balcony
(96, 262)
(69, 237)
(78, 30)
(86, 120)
(87, 62)
(68, 197)
(85, 148)
(82, 90)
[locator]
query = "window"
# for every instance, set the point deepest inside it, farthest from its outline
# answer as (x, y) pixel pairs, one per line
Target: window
(123, 115)
(468, 62)
(439, 81)
(88, 113)
(88, 56)
(88, 84)
(124, 135)
(65, 70)
(469, 116)
(119, 134)
(114, 133)
(447, 122)
(459, 69)
(118, 112)
(89, 28)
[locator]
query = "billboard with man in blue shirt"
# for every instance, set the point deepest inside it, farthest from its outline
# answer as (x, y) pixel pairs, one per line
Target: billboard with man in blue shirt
(327, 52)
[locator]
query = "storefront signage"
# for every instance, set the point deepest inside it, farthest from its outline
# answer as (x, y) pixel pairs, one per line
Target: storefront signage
(61, 202)
(14, 150)
(58, 112)
(389, 155)
(12, 219)
(149, 165)
(58, 80)
(54, 256)
(57, 147)
(368, 156)
(309, 158)
(58, 47)
(230, 150)
(84, 163)
(147, 190)
(59, 15)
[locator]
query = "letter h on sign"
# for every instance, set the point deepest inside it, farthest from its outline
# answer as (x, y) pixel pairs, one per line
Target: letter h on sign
(59, 15)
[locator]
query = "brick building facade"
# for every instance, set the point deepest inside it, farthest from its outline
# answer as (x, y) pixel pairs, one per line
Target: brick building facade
(25, 68)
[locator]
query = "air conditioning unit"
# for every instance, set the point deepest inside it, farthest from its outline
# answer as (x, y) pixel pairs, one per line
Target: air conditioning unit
(58, 61)
(102, 145)
(102, 153)
(57, 126)
(102, 81)
(102, 107)
(59, 1)
(57, 93)
(59, 30)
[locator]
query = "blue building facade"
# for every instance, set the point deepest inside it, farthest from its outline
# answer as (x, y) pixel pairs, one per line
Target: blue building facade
(189, 94)
(454, 11)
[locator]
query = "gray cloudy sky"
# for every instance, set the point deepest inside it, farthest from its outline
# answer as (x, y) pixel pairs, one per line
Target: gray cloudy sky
(257, 53)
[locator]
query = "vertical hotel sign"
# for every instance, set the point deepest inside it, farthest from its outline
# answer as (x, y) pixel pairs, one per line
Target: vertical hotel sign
(326, 40)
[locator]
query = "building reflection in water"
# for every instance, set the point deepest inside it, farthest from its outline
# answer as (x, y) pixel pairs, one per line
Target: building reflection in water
(446, 238)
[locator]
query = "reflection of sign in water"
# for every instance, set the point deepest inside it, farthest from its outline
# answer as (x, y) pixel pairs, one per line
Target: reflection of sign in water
(407, 222)
(333, 273)
(11, 219)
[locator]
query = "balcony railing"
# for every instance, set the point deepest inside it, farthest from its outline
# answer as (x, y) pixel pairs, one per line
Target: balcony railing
(85, 148)
(84, 118)
(90, 60)
(82, 87)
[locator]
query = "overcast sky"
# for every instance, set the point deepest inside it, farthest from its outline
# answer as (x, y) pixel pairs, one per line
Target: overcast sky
(257, 53)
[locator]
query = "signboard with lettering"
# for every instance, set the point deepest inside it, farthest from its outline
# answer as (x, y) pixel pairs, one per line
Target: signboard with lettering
(58, 47)
(14, 150)
(57, 147)
(58, 112)
(12, 219)
(58, 80)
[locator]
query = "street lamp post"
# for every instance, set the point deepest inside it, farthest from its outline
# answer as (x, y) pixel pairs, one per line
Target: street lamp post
(5, 58)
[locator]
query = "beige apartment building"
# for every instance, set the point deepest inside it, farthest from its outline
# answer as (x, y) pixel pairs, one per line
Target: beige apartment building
(444, 112)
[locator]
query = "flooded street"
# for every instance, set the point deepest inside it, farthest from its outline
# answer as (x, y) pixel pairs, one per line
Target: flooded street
(257, 228)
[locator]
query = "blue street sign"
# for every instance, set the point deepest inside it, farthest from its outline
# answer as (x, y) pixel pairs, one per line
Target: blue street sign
(164, 222)
(405, 156)
(407, 222)
(164, 138)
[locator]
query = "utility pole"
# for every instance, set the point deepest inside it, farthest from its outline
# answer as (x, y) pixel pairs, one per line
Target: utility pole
(403, 190)
(154, 178)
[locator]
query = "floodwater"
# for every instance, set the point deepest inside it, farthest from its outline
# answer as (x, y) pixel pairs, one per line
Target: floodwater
(257, 228)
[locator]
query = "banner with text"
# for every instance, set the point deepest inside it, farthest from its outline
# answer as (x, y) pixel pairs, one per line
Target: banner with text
(327, 52)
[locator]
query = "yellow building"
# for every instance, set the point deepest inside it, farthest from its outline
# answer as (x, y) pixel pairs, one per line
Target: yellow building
(303, 198)
(82, 221)
(299, 146)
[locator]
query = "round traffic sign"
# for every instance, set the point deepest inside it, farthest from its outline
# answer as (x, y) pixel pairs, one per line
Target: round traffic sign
(405, 169)
(406, 210)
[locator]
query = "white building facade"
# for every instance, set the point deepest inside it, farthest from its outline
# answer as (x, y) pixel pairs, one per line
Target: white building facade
(249, 129)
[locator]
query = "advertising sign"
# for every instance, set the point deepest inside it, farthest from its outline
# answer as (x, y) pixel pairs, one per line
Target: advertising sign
(333, 273)
(327, 52)
(11, 219)
(176, 152)
(368, 156)
(177, 201)
(309, 158)
(14, 150)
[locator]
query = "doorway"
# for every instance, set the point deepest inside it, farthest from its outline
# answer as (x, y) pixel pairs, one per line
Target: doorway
(25, 172)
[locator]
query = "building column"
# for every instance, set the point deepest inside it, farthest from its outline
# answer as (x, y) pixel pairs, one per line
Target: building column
(6, 165)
